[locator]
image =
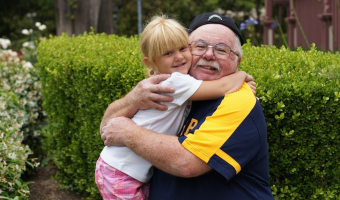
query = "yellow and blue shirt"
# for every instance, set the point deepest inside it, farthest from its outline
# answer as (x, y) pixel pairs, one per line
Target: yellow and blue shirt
(230, 135)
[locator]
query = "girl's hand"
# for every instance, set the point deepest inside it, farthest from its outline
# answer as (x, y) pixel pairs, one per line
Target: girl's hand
(250, 81)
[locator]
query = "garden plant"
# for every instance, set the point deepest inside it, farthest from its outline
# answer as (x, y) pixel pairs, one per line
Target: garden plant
(20, 114)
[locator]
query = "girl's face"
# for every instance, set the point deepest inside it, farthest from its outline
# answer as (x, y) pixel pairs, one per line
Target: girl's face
(175, 60)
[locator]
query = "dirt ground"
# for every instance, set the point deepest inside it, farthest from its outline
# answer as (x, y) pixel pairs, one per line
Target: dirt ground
(44, 188)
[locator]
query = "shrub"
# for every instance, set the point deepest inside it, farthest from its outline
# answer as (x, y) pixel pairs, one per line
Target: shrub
(19, 111)
(299, 92)
(80, 77)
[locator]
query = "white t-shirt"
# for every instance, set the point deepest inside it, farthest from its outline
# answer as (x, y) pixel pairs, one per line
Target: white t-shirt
(167, 122)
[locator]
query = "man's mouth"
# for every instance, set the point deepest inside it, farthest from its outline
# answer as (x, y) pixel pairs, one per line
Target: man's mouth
(207, 67)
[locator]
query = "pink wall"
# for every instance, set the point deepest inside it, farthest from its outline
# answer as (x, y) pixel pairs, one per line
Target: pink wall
(307, 12)
(315, 17)
(336, 24)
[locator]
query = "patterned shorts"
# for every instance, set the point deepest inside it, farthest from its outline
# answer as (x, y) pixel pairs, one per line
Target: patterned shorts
(114, 184)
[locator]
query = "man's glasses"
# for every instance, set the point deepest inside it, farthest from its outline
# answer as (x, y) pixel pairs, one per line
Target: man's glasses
(221, 50)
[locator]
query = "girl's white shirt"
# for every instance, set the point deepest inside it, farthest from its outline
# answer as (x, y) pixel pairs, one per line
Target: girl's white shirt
(167, 122)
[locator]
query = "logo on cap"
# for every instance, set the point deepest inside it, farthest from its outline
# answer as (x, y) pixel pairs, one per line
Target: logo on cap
(212, 16)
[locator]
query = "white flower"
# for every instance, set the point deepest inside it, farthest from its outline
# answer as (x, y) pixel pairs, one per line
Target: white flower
(37, 24)
(5, 146)
(4, 43)
(27, 65)
(42, 27)
(25, 44)
(13, 54)
(5, 85)
(12, 156)
(31, 31)
(25, 32)
(28, 45)
(35, 116)
(2, 106)
(37, 164)
(36, 134)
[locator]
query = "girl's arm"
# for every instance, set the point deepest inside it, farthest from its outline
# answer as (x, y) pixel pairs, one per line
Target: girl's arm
(218, 88)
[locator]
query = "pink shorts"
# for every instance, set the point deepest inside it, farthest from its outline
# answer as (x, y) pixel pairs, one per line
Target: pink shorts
(114, 184)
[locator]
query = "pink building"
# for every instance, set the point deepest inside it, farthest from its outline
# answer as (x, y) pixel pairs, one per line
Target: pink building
(320, 21)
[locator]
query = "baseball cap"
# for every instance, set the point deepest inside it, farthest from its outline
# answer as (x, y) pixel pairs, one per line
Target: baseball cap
(215, 18)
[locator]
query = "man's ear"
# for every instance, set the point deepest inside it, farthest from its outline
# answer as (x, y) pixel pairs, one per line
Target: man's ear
(239, 60)
(146, 61)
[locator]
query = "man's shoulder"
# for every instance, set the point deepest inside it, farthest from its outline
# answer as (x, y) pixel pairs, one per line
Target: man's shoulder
(243, 99)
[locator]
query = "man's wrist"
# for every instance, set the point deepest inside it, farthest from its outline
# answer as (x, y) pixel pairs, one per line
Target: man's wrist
(132, 104)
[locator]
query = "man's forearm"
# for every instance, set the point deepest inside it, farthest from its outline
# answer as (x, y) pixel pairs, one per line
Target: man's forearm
(164, 152)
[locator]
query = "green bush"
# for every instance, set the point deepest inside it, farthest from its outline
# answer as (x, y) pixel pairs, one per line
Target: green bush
(299, 92)
(80, 77)
(19, 114)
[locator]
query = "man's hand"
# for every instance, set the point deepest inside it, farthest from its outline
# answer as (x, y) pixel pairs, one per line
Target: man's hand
(250, 81)
(146, 94)
(113, 132)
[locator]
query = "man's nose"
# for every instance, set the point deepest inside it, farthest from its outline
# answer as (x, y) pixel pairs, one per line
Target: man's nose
(209, 54)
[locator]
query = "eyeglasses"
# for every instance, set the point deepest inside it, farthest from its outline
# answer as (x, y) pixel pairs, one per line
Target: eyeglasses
(221, 50)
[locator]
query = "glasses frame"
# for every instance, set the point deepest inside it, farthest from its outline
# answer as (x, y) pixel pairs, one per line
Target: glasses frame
(212, 46)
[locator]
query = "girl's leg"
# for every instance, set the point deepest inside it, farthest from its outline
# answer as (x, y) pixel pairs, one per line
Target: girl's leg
(114, 184)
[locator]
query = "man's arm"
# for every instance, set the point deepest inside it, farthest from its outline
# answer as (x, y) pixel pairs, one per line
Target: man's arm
(143, 96)
(161, 150)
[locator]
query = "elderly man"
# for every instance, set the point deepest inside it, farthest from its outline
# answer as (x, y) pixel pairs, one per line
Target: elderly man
(221, 151)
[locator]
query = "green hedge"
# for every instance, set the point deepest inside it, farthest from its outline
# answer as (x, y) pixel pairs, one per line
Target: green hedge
(299, 92)
(80, 77)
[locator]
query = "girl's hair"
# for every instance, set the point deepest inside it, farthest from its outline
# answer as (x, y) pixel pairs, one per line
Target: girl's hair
(160, 35)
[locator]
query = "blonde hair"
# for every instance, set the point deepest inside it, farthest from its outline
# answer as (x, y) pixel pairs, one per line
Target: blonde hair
(160, 35)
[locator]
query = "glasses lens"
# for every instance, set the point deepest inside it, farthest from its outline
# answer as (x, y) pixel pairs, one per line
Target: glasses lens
(198, 47)
(221, 51)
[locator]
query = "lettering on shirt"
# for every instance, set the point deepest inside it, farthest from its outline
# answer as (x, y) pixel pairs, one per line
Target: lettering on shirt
(191, 126)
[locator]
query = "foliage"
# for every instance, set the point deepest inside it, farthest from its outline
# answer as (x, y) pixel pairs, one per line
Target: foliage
(184, 11)
(80, 77)
(19, 112)
(14, 17)
(299, 92)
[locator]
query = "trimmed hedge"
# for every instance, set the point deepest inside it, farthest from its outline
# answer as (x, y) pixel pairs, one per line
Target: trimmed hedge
(80, 77)
(299, 92)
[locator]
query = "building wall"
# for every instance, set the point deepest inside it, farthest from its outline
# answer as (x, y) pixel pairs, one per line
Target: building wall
(307, 12)
(315, 17)
(336, 24)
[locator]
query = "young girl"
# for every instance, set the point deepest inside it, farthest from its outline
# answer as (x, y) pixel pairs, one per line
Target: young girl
(122, 174)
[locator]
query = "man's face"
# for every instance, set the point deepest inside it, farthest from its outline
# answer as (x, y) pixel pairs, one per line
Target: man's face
(201, 68)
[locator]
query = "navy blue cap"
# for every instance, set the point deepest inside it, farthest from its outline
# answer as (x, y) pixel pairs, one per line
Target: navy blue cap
(215, 18)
